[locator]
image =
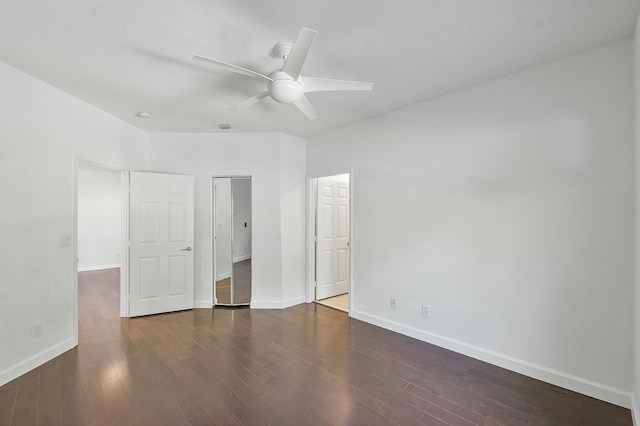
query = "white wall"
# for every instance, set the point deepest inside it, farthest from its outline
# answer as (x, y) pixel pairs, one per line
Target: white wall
(276, 164)
(41, 128)
(292, 219)
(508, 208)
(99, 219)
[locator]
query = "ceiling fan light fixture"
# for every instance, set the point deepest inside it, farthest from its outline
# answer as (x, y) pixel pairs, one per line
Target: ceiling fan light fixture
(285, 91)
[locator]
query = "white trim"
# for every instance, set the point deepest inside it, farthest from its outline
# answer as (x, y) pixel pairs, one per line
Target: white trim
(241, 258)
(292, 302)
(202, 304)
(277, 304)
(24, 366)
(97, 268)
(310, 243)
(310, 235)
(212, 235)
(635, 414)
(74, 249)
(124, 241)
(558, 378)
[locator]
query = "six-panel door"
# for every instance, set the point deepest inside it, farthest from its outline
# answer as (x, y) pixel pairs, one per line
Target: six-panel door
(161, 230)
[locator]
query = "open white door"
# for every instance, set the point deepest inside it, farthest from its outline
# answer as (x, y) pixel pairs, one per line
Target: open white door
(161, 236)
(332, 264)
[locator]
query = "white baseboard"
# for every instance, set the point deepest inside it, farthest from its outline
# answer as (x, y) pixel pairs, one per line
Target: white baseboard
(97, 268)
(202, 304)
(292, 302)
(24, 366)
(223, 276)
(277, 304)
(558, 378)
(241, 258)
(635, 414)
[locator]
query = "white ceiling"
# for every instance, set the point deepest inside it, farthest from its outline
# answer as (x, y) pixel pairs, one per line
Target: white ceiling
(125, 56)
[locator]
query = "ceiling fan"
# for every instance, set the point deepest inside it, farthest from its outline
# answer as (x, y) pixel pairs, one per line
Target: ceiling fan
(287, 85)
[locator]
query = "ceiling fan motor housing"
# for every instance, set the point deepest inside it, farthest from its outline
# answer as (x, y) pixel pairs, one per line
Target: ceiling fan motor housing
(283, 88)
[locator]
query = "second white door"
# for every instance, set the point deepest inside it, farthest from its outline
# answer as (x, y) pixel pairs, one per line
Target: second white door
(332, 262)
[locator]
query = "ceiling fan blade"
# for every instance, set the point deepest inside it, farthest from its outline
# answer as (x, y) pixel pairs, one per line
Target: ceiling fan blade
(306, 108)
(230, 67)
(298, 55)
(315, 84)
(250, 101)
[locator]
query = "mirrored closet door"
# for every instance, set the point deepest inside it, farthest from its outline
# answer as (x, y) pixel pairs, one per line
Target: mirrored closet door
(232, 240)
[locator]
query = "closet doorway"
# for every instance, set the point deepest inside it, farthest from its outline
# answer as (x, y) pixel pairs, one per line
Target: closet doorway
(231, 224)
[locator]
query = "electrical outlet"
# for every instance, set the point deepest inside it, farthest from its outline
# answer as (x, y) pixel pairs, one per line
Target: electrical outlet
(36, 329)
(392, 303)
(426, 310)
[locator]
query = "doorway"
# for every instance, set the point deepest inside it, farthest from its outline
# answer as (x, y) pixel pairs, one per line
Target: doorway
(330, 228)
(100, 234)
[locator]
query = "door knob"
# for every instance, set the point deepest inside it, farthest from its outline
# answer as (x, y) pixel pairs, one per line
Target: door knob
(187, 249)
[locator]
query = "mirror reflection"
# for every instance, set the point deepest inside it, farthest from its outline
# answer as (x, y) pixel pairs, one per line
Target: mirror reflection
(232, 240)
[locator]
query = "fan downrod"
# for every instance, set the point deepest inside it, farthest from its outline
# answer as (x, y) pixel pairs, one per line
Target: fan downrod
(282, 49)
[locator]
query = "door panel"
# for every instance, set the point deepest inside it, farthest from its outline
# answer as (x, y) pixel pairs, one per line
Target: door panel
(325, 277)
(177, 222)
(342, 272)
(177, 270)
(149, 278)
(332, 263)
(161, 243)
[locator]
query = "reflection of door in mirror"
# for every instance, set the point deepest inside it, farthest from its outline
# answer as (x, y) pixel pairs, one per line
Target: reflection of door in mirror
(241, 240)
(232, 240)
(222, 238)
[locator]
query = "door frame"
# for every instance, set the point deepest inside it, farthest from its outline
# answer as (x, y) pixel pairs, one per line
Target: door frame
(312, 180)
(124, 232)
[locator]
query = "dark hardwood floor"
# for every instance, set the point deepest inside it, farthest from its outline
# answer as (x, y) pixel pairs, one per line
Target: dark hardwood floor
(308, 364)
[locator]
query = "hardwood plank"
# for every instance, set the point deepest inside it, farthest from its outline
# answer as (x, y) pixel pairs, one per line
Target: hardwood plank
(25, 408)
(72, 406)
(209, 400)
(194, 411)
(8, 394)
(49, 395)
(95, 405)
(116, 399)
